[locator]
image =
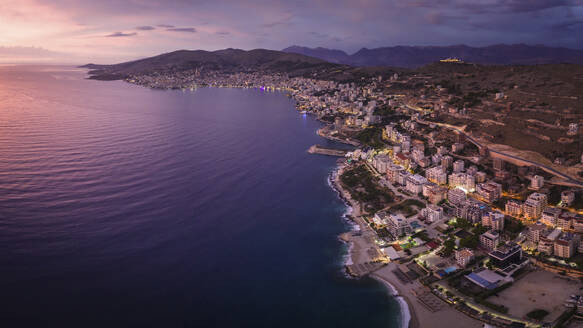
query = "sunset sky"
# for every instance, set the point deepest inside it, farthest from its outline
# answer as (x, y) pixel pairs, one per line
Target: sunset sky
(108, 31)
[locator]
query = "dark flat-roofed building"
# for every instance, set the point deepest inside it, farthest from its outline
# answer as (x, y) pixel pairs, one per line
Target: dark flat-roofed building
(506, 255)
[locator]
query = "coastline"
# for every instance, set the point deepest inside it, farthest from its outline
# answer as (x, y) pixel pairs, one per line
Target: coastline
(413, 313)
(407, 314)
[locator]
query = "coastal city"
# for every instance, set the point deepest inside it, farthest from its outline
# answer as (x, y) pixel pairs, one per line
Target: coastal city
(466, 231)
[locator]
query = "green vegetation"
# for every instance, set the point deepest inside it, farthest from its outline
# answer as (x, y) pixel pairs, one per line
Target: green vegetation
(564, 317)
(448, 246)
(462, 223)
(512, 227)
(537, 314)
(471, 241)
(496, 307)
(363, 188)
(422, 235)
(372, 136)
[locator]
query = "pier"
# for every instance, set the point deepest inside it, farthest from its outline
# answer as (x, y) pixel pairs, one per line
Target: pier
(317, 149)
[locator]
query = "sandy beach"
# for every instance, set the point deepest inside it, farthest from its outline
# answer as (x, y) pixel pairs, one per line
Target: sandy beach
(414, 313)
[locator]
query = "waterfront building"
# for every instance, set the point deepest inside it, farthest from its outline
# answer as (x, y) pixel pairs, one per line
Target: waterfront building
(513, 208)
(506, 255)
(463, 257)
(537, 182)
(489, 240)
(487, 279)
(397, 225)
(458, 166)
(456, 196)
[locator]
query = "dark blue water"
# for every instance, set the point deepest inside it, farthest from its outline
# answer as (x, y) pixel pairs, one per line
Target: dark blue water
(122, 206)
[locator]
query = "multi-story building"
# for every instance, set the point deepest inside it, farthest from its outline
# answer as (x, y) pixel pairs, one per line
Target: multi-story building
(446, 162)
(550, 215)
(498, 164)
(534, 205)
(462, 180)
(403, 160)
(513, 208)
(547, 239)
(402, 177)
(432, 213)
(537, 182)
(463, 257)
(435, 194)
(566, 245)
(565, 221)
(489, 191)
(577, 223)
(456, 196)
(458, 166)
(480, 176)
(415, 184)
(493, 220)
(489, 240)
(393, 172)
(381, 163)
(534, 232)
(436, 175)
(506, 255)
(397, 225)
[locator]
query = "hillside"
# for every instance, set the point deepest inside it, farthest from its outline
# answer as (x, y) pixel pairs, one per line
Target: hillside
(224, 60)
(416, 56)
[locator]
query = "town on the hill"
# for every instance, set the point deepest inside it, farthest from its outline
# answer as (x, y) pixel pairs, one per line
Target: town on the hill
(449, 207)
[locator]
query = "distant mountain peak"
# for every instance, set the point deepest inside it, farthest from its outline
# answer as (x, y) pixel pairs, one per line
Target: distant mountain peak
(416, 56)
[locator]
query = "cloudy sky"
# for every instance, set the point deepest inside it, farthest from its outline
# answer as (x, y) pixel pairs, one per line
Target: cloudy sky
(108, 31)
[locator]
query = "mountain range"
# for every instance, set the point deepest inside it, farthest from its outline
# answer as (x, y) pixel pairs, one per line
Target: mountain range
(416, 56)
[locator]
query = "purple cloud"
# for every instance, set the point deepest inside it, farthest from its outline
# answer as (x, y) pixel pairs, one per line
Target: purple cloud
(145, 28)
(120, 34)
(182, 29)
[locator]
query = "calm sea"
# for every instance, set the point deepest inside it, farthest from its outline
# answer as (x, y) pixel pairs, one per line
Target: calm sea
(122, 206)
